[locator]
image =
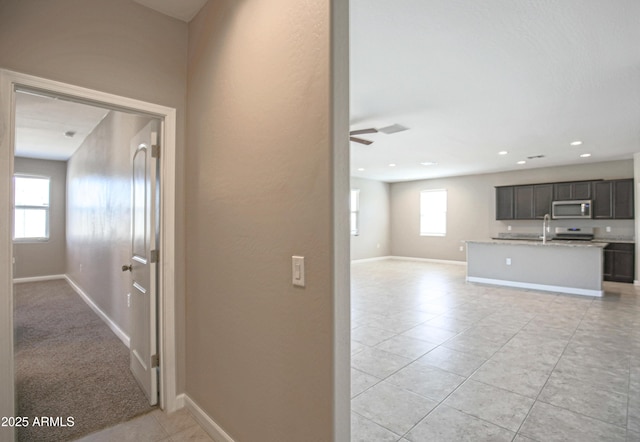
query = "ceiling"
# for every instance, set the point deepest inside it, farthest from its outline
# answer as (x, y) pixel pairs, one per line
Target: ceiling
(44, 126)
(473, 78)
(183, 10)
(469, 79)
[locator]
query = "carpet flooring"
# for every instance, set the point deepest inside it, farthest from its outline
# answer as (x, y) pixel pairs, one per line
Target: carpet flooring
(69, 364)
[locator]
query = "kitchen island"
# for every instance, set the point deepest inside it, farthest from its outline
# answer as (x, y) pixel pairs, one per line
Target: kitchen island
(573, 267)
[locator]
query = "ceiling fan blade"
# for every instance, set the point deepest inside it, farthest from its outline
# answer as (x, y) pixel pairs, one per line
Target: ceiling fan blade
(370, 130)
(360, 140)
(393, 129)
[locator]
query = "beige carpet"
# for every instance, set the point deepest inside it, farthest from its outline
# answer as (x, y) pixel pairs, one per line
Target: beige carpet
(69, 364)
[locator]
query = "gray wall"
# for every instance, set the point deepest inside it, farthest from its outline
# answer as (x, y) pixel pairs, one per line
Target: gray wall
(44, 258)
(471, 208)
(374, 237)
(99, 214)
(260, 354)
(114, 46)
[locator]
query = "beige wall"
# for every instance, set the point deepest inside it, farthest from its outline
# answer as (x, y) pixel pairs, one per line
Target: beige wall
(471, 208)
(99, 214)
(114, 46)
(260, 189)
(44, 258)
(374, 235)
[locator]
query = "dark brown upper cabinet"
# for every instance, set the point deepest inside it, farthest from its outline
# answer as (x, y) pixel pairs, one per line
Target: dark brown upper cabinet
(523, 202)
(523, 197)
(613, 199)
(542, 199)
(504, 202)
(579, 190)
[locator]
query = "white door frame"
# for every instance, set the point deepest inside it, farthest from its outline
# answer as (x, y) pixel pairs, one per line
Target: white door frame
(166, 302)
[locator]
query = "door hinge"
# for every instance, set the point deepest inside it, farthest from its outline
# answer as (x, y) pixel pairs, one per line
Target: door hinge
(155, 151)
(155, 256)
(155, 361)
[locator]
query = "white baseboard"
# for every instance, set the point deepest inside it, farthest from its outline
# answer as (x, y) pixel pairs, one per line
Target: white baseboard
(38, 278)
(377, 258)
(213, 429)
(180, 401)
(112, 325)
(541, 287)
(437, 261)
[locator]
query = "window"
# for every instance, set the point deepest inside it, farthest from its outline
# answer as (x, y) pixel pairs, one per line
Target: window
(433, 212)
(355, 211)
(31, 215)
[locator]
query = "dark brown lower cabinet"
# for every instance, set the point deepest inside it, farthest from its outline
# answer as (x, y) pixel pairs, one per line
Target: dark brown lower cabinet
(619, 262)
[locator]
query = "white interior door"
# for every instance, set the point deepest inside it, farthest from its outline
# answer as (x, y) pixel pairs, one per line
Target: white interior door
(144, 257)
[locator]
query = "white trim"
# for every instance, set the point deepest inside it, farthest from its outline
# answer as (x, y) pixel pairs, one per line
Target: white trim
(542, 287)
(167, 268)
(7, 387)
(166, 305)
(180, 401)
(98, 311)
(341, 238)
(437, 261)
(377, 258)
(209, 425)
(38, 278)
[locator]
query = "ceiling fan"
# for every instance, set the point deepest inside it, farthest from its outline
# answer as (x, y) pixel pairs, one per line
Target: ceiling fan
(394, 128)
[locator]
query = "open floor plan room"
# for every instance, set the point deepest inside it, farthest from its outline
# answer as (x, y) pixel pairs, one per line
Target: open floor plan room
(435, 358)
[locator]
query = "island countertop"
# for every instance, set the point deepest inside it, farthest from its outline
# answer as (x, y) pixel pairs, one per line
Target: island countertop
(533, 242)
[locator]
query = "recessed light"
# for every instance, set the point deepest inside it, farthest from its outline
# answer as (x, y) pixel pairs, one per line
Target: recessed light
(521, 162)
(585, 155)
(360, 169)
(392, 165)
(429, 163)
(576, 143)
(503, 152)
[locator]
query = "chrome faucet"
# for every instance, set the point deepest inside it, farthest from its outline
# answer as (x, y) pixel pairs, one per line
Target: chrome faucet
(546, 227)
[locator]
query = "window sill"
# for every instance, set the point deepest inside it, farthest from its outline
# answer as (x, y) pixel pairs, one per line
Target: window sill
(31, 240)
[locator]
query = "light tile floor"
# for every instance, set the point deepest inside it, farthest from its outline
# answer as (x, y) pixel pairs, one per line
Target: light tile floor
(153, 427)
(437, 359)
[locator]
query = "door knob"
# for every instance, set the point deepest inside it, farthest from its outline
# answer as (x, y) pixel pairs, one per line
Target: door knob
(126, 268)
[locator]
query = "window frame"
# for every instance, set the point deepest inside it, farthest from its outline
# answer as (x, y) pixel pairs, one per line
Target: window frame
(47, 209)
(354, 213)
(424, 213)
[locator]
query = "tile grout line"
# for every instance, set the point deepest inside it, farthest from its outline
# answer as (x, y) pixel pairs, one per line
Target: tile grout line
(467, 378)
(553, 369)
(479, 367)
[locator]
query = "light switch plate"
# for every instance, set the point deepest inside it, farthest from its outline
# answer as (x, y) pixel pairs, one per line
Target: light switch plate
(297, 270)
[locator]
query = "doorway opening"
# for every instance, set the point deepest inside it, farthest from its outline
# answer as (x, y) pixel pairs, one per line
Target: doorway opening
(130, 113)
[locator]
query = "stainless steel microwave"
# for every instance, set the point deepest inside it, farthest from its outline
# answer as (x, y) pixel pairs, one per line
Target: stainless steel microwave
(571, 209)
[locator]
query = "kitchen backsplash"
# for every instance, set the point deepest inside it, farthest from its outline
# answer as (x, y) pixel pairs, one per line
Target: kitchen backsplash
(620, 230)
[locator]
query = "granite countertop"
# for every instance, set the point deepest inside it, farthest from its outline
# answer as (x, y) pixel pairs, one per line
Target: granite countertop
(538, 242)
(537, 237)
